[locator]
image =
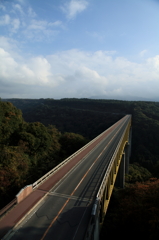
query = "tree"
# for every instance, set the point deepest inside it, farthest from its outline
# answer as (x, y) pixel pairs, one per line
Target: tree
(137, 173)
(70, 143)
(137, 211)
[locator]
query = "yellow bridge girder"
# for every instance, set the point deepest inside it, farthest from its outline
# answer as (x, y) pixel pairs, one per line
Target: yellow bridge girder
(110, 177)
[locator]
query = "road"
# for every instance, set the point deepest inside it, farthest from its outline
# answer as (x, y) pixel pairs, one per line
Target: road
(65, 211)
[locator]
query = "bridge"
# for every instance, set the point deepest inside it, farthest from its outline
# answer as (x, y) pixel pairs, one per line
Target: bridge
(70, 201)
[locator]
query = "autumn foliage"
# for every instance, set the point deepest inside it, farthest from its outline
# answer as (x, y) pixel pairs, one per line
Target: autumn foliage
(134, 212)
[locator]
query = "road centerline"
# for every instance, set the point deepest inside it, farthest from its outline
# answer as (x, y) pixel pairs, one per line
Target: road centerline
(67, 201)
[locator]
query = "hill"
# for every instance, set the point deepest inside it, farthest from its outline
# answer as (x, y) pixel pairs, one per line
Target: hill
(89, 117)
(29, 150)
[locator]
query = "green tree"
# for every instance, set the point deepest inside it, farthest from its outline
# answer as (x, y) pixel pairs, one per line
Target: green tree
(70, 143)
(137, 173)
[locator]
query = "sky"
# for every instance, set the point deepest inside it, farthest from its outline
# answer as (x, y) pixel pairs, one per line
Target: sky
(79, 49)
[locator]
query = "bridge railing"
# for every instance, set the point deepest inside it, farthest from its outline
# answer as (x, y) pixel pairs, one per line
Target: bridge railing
(108, 180)
(55, 169)
(115, 161)
(10, 205)
(49, 174)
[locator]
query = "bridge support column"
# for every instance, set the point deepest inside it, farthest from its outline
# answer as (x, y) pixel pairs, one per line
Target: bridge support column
(120, 180)
(96, 230)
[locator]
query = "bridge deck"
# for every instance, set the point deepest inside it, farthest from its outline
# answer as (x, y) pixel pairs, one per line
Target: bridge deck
(66, 204)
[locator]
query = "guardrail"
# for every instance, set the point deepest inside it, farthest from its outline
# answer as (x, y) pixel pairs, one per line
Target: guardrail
(55, 169)
(8, 207)
(50, 173)
(121, 145)
(95, 214)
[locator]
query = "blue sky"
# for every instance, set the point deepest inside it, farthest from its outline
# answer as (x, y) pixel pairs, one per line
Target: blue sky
(79, 48)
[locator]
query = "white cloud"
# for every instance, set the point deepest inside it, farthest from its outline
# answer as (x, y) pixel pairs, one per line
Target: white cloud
(41, 69)
(8, 65)
(2, 7)
(31, 72)
(10, 45)
(154, 63)
(37, 25)
(73, 7)
(75, 73)
(21, 1)
(55, 24)
(31, 13)
(22, 17)
(15, 25)
(39, 30)
(96, 35)
(5, 20)
(43, 25)
(142, 53)
(88, 74)
(17, 7)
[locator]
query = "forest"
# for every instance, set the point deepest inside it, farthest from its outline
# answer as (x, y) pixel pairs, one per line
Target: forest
(37, 134)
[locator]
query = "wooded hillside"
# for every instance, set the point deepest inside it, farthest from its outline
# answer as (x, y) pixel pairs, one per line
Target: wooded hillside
(91, 117)
(29, 150)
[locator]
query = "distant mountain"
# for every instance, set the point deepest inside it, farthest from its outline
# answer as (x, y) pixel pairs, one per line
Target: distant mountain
(125, 98)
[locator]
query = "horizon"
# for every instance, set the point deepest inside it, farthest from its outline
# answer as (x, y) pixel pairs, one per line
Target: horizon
(79, 49)
(106, 99)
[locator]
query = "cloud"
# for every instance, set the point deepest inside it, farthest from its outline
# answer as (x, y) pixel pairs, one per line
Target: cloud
(42, 25)
(8, 65)
(96, 35)
(31, 13)
(21, 1)
(154, 63)
(39, 30)
(13, 24)
(21, 19)
(41, 69)
(5, 20)
(142, 53)
(2, 7)
(73, 7)
(55, 24)
(38, 25)
(18, 8)
(75, 73)
(33, 71)
(16, 25)
(9, 45)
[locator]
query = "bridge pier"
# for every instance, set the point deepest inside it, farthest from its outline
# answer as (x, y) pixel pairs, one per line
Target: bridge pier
(96, 230)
